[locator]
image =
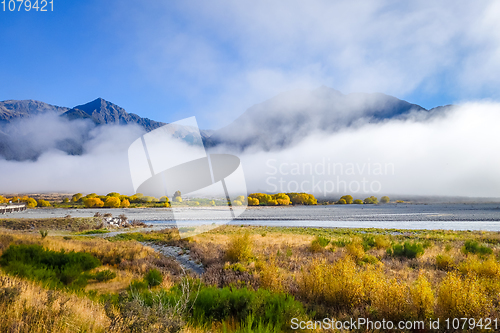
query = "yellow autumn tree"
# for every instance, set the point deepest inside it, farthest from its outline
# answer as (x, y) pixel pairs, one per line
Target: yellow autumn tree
(262, 197)
(302, 199)
(253, 201)
(282, 199)
(112, 202)
(43, 203)
(93, 202)
(31, 203)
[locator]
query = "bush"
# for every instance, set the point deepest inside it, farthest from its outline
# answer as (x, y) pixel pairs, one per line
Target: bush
(322, 241)
(239, 248)
(385, 199)
(341, 202)
(112, 202)
(347, 198)
(125, 203)
(36, 263)
(31, 203)
(44, 233)
(391, 301)
(275, 310)
(355, 250)
(371, 200)
(153, 277)
(473, 266)
(282, 199)
(422, 298)
(341, 242)
(444, 262)
(76, 197)
(339, 285)
(302, 199)
(43, 203)
(104, 275)
(381, 242)
(251, 201)
(369, 259)
(474, 247)
(93, 202)
(136, 315)
(407, 249)
(358, 202)
(261, 197)
(462, 298)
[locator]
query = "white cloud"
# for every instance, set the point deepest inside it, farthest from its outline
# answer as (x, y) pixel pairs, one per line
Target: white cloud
(452, 155)
(227, 55)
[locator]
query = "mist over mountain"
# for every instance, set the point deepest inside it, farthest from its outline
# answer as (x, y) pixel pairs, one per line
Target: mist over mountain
(291, 116)
(29, 128)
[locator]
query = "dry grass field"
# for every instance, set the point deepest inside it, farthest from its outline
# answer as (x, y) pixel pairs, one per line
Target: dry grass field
(256, 279)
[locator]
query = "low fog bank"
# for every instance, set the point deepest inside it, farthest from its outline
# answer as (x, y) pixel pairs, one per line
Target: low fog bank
(454, 154)
(102, 165)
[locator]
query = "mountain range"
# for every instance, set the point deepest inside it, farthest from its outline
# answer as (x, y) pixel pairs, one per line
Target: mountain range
(272, 125)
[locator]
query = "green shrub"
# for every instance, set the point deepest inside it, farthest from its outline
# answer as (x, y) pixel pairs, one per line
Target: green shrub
(407, 249)
(44, 233)
(137, 285)
(153, 277)
(315, 247)
(369, 259)
(368, 242)
(57, 268)
(322, 241)
(341, 242)
(474, 247)
(104, 275)
(265, 307)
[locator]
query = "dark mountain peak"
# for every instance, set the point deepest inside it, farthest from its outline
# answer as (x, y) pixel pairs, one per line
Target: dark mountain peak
(102, 112)
(14, 109)
(100, 106)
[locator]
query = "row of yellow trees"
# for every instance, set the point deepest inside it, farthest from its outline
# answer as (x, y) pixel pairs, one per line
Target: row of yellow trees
(116, 200)
(30, 202)
(348, 199)
(281, 199)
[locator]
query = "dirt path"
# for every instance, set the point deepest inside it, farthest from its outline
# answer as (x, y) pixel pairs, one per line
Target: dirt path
(182, 256)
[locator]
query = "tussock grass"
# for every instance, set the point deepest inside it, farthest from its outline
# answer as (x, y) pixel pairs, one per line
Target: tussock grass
(372, 273)
(26, 307)
(239, 248)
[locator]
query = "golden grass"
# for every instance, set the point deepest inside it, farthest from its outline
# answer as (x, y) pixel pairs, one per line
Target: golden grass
(35, 309)
(105, 250)
(338, 281)
(120, 282)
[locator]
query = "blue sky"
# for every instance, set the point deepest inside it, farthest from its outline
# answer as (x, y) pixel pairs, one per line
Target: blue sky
(168, 60)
